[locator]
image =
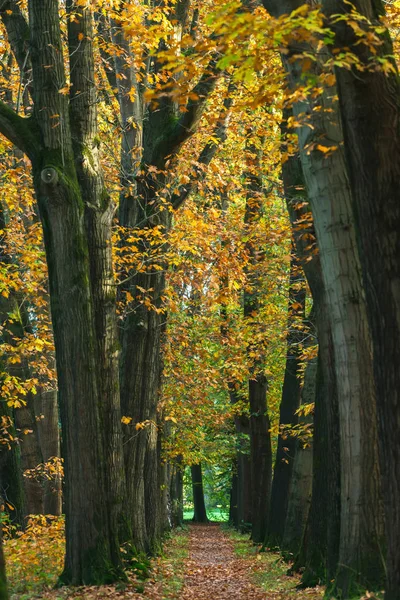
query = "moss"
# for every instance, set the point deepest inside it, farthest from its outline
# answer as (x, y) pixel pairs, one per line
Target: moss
(97, 569)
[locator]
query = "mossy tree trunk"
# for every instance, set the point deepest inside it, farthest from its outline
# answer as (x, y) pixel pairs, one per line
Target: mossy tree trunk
(76, 216)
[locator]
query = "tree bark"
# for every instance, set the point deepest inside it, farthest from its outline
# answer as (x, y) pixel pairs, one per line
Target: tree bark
(301, 481)
(200, 513)
(370, 112)
(233, 500)
(290, 402)
(92, 554)
(11, 482)
(318, 554)
(331, 199)
(176, 492)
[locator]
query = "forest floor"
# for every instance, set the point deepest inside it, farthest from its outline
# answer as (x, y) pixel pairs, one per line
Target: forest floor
(199, 562)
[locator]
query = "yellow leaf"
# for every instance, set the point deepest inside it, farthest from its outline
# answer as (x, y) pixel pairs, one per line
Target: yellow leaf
(171, 418)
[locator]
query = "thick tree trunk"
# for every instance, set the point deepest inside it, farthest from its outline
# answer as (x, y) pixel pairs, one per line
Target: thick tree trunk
(200, 513)
(320, 546)
(141, 363)
(301, 481)
(87, 416)
(370, 111)
(290, 403)
(244, 474)
(361, 519)
(261, 457)
(330, 198)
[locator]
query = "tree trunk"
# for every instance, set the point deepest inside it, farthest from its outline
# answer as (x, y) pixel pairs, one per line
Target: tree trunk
(31, 456)
(81, 330)
(244, 474)
(3, 577)
(200, 513)
(11, 482)
(320, 544)
(233, 500)
(260, 437)
(290, 402)
(330, 198)
(370, 112)
(176, 492)
(301, 481)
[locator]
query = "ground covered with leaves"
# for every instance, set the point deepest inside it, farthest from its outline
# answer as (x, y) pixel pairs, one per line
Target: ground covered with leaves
(199, 562)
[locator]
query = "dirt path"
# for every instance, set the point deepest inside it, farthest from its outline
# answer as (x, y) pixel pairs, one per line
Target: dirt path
(213, 571)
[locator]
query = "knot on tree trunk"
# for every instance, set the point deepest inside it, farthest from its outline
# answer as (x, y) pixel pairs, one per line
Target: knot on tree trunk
(49, 176)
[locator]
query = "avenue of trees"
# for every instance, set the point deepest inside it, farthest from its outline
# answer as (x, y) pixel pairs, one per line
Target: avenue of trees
(200, 264)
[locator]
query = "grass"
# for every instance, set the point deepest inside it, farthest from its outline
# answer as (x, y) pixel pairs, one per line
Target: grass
(215, 514)
(171, 565)
(269, 570)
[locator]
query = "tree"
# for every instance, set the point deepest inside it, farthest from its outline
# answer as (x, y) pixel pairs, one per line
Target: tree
(369, 109)
(60, 140)
(200, 513)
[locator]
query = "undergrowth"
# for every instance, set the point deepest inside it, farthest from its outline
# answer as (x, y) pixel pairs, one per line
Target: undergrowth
(171, 564)
(269, 571)
(35, 556)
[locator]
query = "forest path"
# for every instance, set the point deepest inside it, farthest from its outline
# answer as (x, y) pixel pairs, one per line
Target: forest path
(213, 571)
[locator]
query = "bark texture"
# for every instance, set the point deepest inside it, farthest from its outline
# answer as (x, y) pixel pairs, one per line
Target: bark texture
(370, 112)
(330, 195)
(290, 402)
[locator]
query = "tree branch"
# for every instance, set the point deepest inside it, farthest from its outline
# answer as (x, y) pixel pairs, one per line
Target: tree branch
(187, 125)
(209, 151)
(18, 34)
(18, 130)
